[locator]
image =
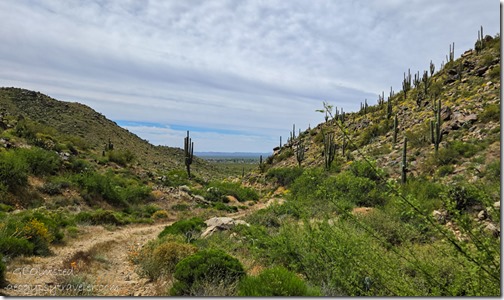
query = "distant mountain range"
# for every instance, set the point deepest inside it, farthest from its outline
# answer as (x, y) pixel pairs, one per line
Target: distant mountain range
(231, 154)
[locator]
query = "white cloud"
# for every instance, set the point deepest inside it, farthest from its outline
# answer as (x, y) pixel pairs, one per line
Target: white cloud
(253, 66)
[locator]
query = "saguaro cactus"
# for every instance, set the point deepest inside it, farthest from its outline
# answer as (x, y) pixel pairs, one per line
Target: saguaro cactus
(188, 153)
(435, 127)
(329, 149)
(300, 153)
(404, 166)
(395, 130)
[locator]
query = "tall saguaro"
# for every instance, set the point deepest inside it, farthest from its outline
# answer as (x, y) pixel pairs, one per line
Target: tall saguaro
(188, 153)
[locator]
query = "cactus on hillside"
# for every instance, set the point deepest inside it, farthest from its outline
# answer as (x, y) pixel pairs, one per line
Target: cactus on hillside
(300, 153)
(426, 82)
(406, 84)
(329, 149)
(435, 127)
(432, 68)
(480, 42)
(404, 166)
(262, 165)
(395, 130)
(188, 153)
(389, 108)
(452, 53)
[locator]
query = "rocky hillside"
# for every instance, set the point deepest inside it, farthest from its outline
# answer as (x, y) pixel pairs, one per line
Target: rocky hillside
(89, 128)
(468, 89)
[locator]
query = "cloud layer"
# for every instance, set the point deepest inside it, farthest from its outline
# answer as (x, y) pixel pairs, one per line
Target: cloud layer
(254, 67)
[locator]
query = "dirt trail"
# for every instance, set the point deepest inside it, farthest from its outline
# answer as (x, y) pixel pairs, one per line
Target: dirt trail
(38, 275)
(114, 276)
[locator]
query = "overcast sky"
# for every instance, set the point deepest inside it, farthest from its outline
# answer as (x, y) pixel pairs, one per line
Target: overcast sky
(236, 73)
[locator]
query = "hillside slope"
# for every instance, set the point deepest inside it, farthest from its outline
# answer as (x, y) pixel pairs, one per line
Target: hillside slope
(469, 91)
(93, 128)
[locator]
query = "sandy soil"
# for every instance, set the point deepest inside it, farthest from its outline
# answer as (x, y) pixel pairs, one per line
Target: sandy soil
(110, 272)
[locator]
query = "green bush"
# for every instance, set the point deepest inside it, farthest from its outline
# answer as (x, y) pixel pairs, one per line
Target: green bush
(217, 190)
(13, 246)
(225, 207)
(121, 157)
(491, 112)
(465, 149)
(365, 169)
(176, 178)
(277, 281)
(41, 162)
(284, 176)
(180, 207)
(464, 196)
(13, 170)
(100, 217)
(206, 266)
(183, 227)
(112, 188)
(156, 260)
(284, 154)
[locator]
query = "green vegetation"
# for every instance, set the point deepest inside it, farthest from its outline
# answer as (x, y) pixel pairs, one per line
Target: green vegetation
(183, 227)
(277, 281)
(206, 268)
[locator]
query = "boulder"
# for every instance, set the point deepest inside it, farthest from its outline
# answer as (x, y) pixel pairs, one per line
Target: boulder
(440, 216)
(482, 215)
(220, 223)
(185, 188)
(496, 205)
(494, 230)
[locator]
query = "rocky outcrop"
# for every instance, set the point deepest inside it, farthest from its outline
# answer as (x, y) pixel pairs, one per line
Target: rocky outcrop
(220, 223)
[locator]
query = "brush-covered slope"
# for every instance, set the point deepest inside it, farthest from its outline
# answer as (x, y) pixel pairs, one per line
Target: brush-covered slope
(91, 129)
(468, 89)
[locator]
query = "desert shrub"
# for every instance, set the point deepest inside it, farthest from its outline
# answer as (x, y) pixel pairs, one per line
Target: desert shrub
(442, 171)
(464, 149)
(446, 156)
(6, 208)
(121, 157)
(160, 214)
(41, 162)
(176, 178)
(206, 266)
(461, 197)
(183, 227)
(2, 271)
(13, 170)
(14, 246)
(348, 188)
(284, 154)
(97, 186)
(112, 188)
(79, 165)
(305, 184)
(493, 171)
(284, 176)
(365, 169)
(491, 112)
(277, 281)
(54, 187)
(37, 233)
(418, 138)
(217, 190)
(180, 207)
(158, 260)
(224, 207)
(495, 72)
(72, 231)
(100, 216)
